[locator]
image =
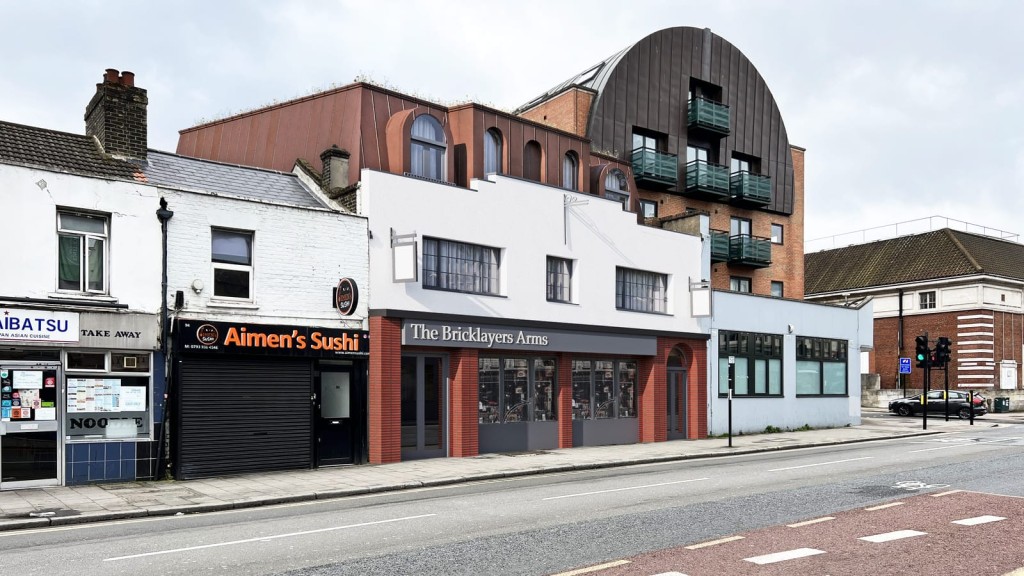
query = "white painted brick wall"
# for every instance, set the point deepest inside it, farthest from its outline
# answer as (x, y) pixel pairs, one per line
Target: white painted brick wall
(298, 257)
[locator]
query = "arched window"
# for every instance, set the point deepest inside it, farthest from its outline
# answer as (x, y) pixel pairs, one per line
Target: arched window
(492, 151)
(570, 171)
(616, 188)
(676, 358)
(531, 161)
(427, 148)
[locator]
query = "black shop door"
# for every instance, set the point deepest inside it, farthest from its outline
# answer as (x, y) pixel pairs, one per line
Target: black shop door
(340, 417)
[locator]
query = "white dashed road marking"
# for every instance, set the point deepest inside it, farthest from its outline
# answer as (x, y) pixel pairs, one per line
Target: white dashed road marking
(670, 574)
(782, 556)
(978, 520)
(821, 464)
(884, 506)
(809, 522)
(893, 536)
(714, 542)
(623, 489)
(596, 568)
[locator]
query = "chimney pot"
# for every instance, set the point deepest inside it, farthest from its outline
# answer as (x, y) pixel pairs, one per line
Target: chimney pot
(111, 76)
(128, 78)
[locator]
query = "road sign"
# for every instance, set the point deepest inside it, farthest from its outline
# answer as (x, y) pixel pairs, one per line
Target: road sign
(904, 365)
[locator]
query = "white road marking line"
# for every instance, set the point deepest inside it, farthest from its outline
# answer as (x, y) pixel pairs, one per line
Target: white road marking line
(968, 443)
(670, 574)
(622, 489)
(269, 538)
(596, 568)
(782, 556)
(822, 464)
(946, 493)
(809, 522)
(897, 535)
(884, 506)
(978, 520)
(714, 542)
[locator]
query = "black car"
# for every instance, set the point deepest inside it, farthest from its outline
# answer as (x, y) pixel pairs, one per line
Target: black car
(959, 404)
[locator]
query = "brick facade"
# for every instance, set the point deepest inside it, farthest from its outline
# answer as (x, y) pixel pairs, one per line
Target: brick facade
(116, 115)
(464, 369)
(385, 394)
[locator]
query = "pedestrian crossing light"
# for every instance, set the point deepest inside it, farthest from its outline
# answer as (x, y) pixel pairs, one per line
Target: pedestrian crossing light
(942, 351)
(922, 353)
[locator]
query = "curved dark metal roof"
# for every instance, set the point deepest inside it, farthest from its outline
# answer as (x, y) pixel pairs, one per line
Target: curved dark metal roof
(594, 78)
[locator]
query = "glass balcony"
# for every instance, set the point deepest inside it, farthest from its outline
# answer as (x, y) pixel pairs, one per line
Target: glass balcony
(653, 167)
(750, 250)
(752, 190)
(708, 181)
(708, 116)
(719, 246)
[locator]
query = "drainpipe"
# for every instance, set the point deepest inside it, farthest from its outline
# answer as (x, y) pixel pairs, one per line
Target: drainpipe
(164, 215)
(899, 342)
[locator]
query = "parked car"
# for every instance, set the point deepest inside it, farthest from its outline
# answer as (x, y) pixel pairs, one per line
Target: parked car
(959, 404)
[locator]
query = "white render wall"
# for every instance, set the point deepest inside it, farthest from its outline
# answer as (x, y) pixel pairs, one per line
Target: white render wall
(299, 254)
(750, 313)
(28, 234)
(525, 220)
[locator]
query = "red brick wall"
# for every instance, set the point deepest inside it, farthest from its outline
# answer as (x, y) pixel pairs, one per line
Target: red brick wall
(568, 111)
(697, 389)
(653, 394)
(385, 394)
(564, 370)
(464, 394)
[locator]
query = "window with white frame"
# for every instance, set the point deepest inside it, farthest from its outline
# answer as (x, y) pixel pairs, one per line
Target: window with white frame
(570, 171)
(460, 267)
(492, 151)
(427, 148)
(641, 291)
(616, 188)
(231, 254)
(559, 282)
(82, 252)
(927, 300)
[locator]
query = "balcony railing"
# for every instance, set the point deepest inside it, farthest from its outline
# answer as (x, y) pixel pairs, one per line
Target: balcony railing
(652, 166)
(709, 181)
(719, 246)
(750, 250)
(708, 116)
(751, 190)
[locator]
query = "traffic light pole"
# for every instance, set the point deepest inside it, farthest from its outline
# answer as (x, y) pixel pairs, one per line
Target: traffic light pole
(924, 396)
(945, 375)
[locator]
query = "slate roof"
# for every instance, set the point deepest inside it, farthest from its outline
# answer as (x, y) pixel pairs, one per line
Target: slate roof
(81, 155)
(60, 152)
(936, 255)
(174, 171)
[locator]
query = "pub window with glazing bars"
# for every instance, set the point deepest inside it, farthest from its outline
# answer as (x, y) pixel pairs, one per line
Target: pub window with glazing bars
(758, 363)
(821, 366)
(603, 389)
(460, 267)
(516, 390)
(559, 283)
(641, 291)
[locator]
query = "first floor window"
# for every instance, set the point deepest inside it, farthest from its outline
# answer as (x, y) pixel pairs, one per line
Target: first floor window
(517, 390)
(757, 360)
(559, 279)
(821, 366)
(739, 284)
(603, 389)
(460, 267)
(82, 252)
(231, 254)
(641, 291)
(927, 300)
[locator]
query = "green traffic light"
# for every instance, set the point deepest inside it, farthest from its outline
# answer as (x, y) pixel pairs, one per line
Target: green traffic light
(920, 357)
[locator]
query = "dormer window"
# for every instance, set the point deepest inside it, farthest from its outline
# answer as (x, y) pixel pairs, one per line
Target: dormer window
(427, 148)
(492, 151)
(616, 188)
(570, 171)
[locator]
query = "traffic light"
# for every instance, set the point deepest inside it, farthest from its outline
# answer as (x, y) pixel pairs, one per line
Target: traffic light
(922, 353)
(942, 351)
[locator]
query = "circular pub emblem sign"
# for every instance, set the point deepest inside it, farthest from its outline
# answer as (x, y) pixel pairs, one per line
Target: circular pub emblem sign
(346, 296)
(207, 334)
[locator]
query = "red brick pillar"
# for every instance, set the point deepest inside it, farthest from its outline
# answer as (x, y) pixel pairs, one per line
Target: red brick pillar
(653, 407)
(697, 391)
(564, 371)
(385, 394)
(464, 394)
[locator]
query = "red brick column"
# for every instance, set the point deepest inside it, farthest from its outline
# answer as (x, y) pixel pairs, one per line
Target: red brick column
(385, 394)
(697, 390)
(564, 370)
(464, 394)
(652, 379)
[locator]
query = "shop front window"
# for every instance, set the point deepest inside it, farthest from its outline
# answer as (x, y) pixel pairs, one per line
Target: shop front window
(603, 389)
(108, 395)
(517, 390)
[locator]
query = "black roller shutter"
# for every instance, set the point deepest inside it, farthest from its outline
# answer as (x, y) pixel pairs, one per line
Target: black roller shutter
(243, 416)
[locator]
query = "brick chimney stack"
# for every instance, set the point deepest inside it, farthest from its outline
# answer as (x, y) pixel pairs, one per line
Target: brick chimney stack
(116, 116)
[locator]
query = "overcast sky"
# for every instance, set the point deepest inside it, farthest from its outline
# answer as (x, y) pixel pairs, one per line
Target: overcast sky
(907, 109)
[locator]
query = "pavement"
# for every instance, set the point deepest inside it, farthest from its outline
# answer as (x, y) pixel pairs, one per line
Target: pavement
(41, 507)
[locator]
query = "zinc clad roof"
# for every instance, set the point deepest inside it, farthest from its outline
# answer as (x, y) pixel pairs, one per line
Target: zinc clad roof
(173, 171)
(934, 255)
(60, 152)
(595, 77)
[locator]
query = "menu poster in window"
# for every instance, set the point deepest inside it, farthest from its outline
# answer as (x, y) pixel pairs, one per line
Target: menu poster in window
(46, 414)
(133, 398)
(28, 379)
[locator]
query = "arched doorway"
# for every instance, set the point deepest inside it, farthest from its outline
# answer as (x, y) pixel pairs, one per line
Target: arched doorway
(676, 396)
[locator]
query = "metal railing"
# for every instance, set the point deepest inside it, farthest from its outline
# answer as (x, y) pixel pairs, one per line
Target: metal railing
(651, 164)
(750, 188)
(708, 178)
(708, 114)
